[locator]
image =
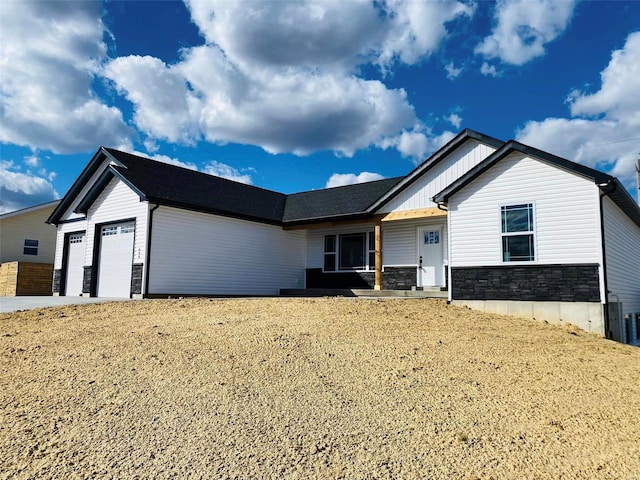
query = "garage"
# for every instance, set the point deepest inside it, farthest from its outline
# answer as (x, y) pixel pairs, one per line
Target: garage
(75, 262)
(116, 256)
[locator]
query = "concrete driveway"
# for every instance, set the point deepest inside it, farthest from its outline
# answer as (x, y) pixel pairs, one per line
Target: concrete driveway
(12, 304)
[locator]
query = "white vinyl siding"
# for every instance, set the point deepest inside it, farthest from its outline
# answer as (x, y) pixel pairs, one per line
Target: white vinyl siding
(62, 229)
(69, 214)
(566, 214)
(399, 241)
(622, 250)
(118, 202)
(456, 164)
(205, 254)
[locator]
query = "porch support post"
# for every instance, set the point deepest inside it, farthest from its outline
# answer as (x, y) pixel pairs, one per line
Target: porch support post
(378, 237)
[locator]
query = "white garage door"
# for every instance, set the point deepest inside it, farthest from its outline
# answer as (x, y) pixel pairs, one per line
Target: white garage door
(116, 255)
(75, 261)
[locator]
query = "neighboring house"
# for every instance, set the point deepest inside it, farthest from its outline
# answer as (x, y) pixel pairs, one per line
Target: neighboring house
(500, 225)
(27, 249)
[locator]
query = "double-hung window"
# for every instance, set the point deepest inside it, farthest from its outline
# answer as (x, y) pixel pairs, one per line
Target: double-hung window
(518, 243)
(349, 251)
(30, 247)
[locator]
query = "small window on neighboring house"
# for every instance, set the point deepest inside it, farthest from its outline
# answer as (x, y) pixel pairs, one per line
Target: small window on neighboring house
(330, 253)
(638, 326)
(30, 247)
(517, 233)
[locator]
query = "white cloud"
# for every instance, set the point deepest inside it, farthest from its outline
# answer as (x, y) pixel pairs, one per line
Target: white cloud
(284, 75)
(227, 171)
(20, 190)
(524, 27)
(282, 111)
(455, 120)
(452, 71)
(49, 54)
(326, 34)
(418, 28)
(159, 93)
(606, 137)
(619, 95)
(340, 179)
(417, 143)
(32, 160)
(489, 70)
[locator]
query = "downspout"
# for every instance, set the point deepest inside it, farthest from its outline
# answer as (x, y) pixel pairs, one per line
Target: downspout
(148, 255)
(605, 189)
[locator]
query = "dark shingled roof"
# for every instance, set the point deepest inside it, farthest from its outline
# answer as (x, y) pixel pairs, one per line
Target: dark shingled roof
(335, 202)
(180, 187)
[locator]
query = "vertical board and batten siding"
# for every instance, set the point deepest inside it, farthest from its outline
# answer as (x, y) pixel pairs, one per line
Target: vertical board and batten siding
(64, 228)
(419, 194)
(198, 253)
(69, 214)
(118, 202)
(622, 250)
(399, 241)
(566, 214)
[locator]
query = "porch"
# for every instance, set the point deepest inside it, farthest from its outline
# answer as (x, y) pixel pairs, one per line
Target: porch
(433, 292)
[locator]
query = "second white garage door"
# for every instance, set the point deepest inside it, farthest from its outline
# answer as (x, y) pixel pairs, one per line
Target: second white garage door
(116, 255)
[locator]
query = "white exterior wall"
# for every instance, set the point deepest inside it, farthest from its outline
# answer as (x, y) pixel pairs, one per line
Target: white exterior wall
(622, 250)
(69, 214)
(566, 214)
(197, 253)
(62, 229)
(31, 225)
(456, 164)
(400, 241)
(118, 202)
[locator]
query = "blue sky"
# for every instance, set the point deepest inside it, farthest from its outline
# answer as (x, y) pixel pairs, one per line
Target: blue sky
(294, 96)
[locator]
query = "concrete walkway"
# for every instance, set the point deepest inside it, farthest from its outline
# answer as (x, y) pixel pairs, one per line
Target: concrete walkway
(12, 304)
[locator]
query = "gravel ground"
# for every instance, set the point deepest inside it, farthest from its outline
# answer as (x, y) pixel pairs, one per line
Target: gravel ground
(311, 388)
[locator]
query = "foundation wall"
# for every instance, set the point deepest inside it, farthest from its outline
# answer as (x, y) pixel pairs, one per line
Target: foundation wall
(588, 316)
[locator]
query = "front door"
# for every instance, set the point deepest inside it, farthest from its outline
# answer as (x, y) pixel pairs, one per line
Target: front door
(430, 271)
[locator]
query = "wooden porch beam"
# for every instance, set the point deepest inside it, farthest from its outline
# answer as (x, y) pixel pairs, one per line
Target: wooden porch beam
(378, 254)
(412, 214)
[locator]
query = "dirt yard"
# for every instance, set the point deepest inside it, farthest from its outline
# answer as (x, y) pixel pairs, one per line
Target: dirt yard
(313, 388)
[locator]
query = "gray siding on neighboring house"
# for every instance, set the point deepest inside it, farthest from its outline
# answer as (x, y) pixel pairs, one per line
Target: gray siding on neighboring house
(18, 227)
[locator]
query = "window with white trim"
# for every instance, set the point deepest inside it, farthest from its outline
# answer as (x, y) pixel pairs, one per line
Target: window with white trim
(518, 242)
(349, 251)
(330, 253)
(30, 247)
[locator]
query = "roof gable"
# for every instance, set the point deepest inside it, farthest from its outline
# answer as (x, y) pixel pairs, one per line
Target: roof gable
(608, 185)
(434, 160)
